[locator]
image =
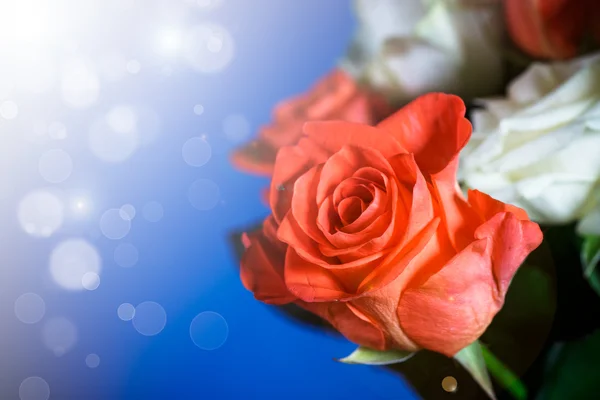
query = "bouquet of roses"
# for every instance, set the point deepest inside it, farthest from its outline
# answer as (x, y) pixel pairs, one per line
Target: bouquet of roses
(436, 198)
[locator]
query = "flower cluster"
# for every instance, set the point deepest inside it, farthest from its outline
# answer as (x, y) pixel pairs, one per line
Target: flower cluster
(394, 217)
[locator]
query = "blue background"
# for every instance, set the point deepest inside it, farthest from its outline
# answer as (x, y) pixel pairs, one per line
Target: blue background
(186, 261)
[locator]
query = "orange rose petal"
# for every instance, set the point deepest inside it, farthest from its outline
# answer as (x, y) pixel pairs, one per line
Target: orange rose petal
(358, 188)
(486, 206)
(304, 207)
(291, 164)
(310, 282)
(459, 218)
(363, 243)
(345, 163)
(355, 328)
(398, 261)
(333, 135)
(419, 205)
(513, 237)
(291, 232)
(262, 270)
(454, 306)
(433, 128)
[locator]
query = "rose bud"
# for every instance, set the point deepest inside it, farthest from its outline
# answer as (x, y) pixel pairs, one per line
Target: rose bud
(370, 231)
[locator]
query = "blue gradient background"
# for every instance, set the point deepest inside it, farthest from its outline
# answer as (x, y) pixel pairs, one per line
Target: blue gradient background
(186, 262)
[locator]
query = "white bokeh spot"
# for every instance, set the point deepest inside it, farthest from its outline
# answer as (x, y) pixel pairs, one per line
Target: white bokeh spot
(30, 308)
(40, 213)
(71, 261)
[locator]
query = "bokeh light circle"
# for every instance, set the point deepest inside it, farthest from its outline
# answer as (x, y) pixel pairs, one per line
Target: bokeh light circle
(126, 255)
(204, 194)
(92, 360)
(209, 48)
(9, 109)
(30, 308)
(59, 335)
(122, 119)
(236, 128)
(113, 145)
(196, 152)
(198, 109)
(153, 211)
(71, 260)
(113, 225)
(150, 318)
(55, 166)
(34, 388)
(126, 311)
(90, 281)
(127, 212)
(40, 213)
(209, 330)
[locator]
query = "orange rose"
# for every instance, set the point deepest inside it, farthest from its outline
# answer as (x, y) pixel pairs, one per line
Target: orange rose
(370, 231)
(335, 97)
(553, 29)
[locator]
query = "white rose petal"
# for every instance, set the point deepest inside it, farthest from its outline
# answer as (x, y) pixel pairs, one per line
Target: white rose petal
(407, 48)
(542, 151)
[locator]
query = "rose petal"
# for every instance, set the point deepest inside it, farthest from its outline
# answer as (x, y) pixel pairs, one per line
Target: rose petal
(396, 262)
(350, 209)
(458, 217)
(453, 307)
(333, 135)
(433, 128)
(304, 207)
(513, 237)
(355, 326)
(487, 207)
(262, 267)
(292, 162)
(291, 233)
(311, 282)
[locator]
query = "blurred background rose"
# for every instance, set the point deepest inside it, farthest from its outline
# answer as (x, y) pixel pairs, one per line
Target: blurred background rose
(407, 48)
(553, 29)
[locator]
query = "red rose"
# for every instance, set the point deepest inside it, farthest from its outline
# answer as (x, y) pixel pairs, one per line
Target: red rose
(335, 97)
(554, 29)
(370, 231)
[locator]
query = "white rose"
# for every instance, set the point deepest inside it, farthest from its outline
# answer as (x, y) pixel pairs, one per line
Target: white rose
(539, 148)
(405, 48)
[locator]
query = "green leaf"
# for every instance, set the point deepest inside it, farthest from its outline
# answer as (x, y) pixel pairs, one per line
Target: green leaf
(364, 355)
(503, 375)
(471, 358)
(590, 258)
